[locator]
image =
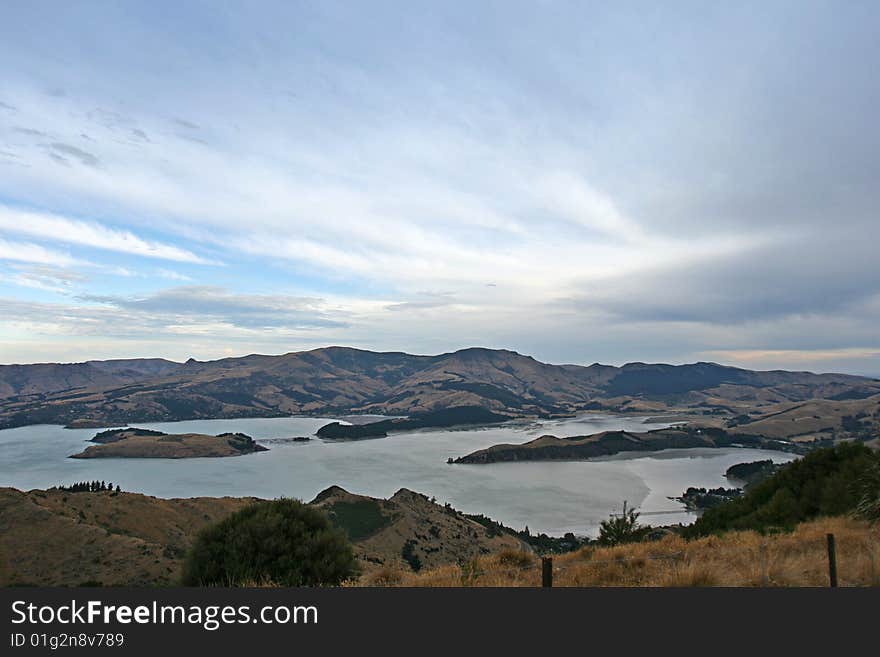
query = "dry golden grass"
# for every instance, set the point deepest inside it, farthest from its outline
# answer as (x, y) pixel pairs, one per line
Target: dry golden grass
(515, 558)
(735, 559)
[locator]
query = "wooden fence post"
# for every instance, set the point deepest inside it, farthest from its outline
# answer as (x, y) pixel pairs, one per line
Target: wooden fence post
(832, 561)
(547, 572)
(875, 578)
(765, 568)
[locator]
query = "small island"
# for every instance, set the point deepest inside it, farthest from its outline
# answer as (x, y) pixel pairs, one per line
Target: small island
(143, 443)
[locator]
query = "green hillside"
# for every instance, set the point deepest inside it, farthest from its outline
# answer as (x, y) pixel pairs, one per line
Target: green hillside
(825, 482)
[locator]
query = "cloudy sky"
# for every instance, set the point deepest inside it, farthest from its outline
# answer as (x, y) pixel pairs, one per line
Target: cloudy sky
(625, 181)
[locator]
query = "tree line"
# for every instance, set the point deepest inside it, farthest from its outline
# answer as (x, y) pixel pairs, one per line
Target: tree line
(89, 487)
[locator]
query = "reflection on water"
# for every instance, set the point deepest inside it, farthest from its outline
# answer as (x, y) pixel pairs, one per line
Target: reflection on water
(545, 496)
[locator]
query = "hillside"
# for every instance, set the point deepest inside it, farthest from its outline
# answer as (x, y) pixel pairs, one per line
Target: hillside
(60, 538)
(409, 531)
(336, 380)
(825, 482)
(56, 538)
(814, 420)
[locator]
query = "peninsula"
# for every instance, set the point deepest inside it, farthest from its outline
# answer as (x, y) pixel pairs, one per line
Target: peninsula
(608, 443)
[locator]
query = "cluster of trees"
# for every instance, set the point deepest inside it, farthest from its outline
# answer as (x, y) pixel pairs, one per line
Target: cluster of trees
(102, 436)
(89, 487)
(542, 543)
(826, 482)
(701, 498)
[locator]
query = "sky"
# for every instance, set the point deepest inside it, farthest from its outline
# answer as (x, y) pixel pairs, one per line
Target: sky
(580, 182)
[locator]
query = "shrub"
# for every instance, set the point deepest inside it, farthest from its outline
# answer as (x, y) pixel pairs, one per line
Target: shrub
(624, 528)
(283, 541)
(408, 552)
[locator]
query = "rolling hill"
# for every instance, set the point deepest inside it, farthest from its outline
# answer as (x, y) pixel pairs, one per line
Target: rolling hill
(336, 380)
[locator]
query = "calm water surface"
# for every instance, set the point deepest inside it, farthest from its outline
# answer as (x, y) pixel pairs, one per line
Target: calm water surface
(546, 496)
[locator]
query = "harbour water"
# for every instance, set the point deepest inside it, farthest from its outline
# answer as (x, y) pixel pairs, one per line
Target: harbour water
(551, 497)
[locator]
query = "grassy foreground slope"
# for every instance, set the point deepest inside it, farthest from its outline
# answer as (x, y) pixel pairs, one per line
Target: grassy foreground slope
(742, 558)
(60, 538)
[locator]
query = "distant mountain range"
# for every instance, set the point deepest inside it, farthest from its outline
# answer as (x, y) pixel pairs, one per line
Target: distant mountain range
(338, 380)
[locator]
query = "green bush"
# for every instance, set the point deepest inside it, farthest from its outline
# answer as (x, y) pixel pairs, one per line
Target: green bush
(624, 528)
(283, 541)
(408, 552)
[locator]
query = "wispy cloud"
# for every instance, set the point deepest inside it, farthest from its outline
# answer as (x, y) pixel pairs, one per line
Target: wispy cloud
(46, 278)
(424, 301)
(29, 252)
(197, 305)
(173, 275)
(56, 228)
